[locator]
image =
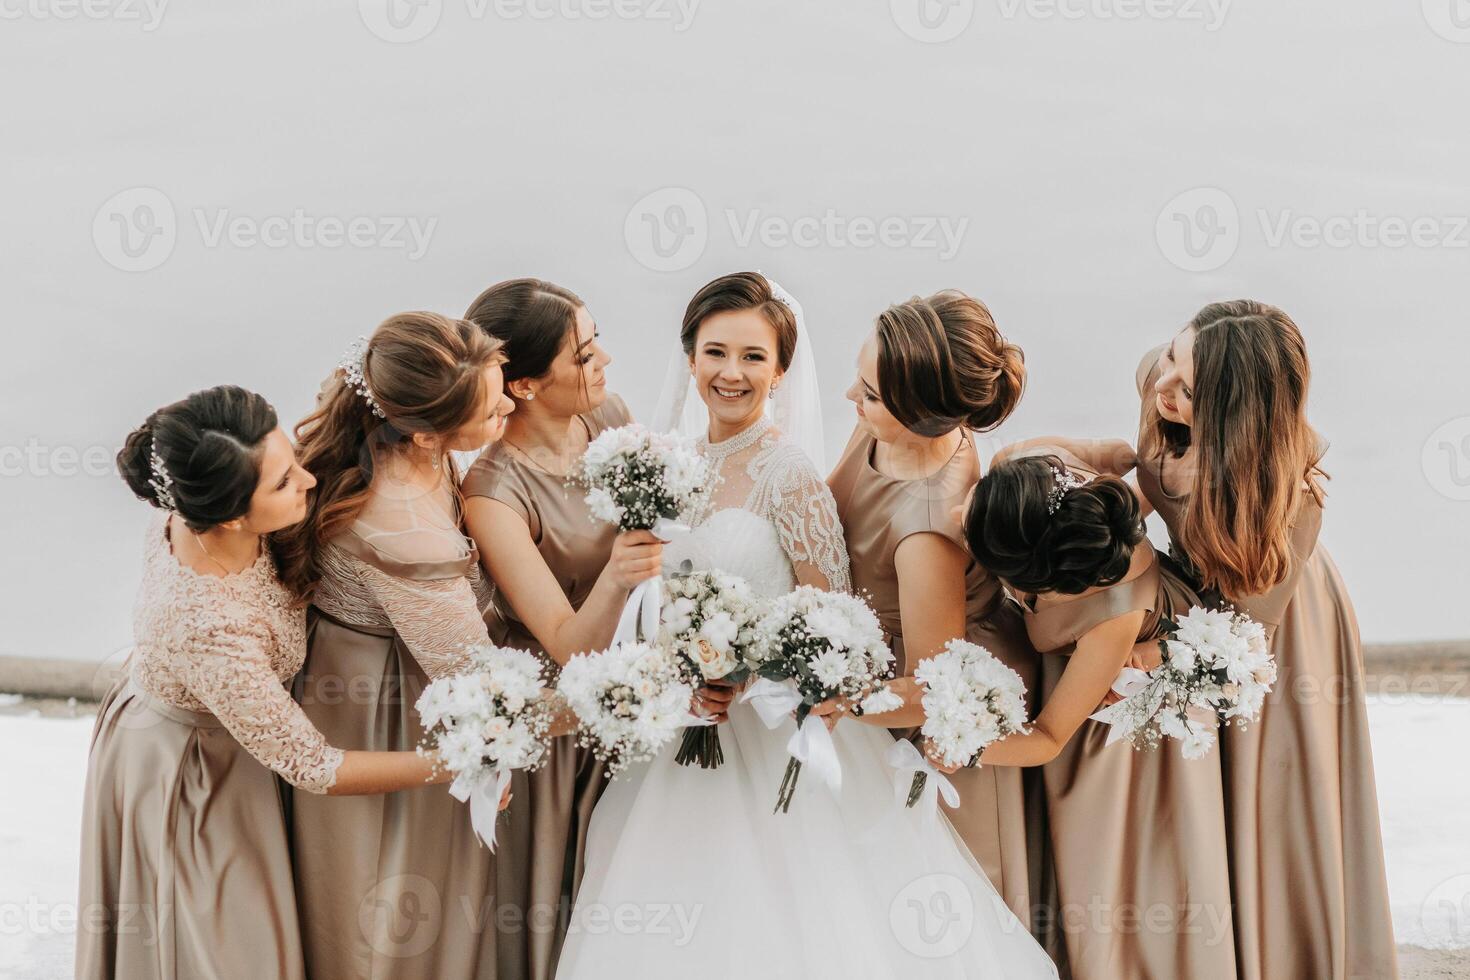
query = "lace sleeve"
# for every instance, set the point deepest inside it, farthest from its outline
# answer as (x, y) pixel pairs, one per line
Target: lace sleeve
(229, 670)
(805, 514)
(437, 618)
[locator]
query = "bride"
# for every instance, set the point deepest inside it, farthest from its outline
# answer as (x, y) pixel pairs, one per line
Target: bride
(690, 873)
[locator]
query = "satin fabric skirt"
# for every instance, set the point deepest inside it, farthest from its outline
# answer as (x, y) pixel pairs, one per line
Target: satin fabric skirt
(185, 871)
(1138, 887)
(1306, 851)
(548, 822)
(395, 885)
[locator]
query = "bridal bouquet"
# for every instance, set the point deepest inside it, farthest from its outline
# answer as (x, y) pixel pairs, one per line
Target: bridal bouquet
(643, 480)
(812, 646)
(1216, 666)
(710, 622)
(637, 478)
(485, 721)
(630, 700)
(970, 700)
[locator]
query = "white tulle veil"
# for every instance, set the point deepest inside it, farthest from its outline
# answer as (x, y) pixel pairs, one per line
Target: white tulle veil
(795, 408)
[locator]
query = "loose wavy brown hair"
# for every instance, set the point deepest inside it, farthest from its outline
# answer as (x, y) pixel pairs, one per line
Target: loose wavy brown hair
(1258, 458)
(426, 372)
(942, 363)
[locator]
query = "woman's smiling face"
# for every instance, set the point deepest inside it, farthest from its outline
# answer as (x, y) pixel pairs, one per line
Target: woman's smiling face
(735, 365)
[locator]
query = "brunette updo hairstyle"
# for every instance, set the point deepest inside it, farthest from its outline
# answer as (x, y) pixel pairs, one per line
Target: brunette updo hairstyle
(1088, 542)
(942, 364)
(532, 318)
(741, 291)
(211, 445)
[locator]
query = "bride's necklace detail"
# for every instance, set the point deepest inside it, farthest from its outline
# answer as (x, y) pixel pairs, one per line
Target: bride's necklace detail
(740, 440)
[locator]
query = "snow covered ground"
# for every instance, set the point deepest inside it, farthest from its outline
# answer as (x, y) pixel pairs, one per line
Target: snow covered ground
(1418, 743)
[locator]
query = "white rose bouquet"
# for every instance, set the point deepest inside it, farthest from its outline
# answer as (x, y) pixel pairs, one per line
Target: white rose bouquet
(630, 700)
(484, 721)
(710, 622)
(813, 646)
(1217, 667)
(970, 700)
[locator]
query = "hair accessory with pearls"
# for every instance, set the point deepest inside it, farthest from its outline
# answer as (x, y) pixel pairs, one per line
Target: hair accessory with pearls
(1062, 482)
(353, 364)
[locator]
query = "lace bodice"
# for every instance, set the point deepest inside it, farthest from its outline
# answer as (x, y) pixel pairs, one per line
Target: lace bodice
(405, 566)
(772, 519)
(229, 646)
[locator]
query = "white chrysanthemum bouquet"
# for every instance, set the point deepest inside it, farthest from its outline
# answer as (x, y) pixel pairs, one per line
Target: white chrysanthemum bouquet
(636, 477)
(970, 700)
(1217, 666)
(814, 646)
(710, 622)
(485, 721)
(630, 700)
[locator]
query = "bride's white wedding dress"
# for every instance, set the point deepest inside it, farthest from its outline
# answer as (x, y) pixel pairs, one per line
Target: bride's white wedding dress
(689, 872)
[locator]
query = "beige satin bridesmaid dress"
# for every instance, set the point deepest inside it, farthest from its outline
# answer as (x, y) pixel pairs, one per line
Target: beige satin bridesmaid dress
(1306, 851)
(1139, 888)
(185, 865)
(551, 828)
(878, 513)
(398, 886)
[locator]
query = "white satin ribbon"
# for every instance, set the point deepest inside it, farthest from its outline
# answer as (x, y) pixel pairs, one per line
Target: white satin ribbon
(907, 759)
(483, 790)
(1130, 682)
(646, 603)
(811, 744)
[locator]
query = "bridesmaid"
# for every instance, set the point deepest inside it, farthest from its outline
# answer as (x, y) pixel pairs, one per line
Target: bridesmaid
(1137, 839)
(398, 885)
(1228, 460)
(932, 370)
(561, 577)
(185, 870)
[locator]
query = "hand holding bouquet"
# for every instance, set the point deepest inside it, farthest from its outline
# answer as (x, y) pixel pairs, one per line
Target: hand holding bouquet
(814, 646)
(970, 700)
(643, 480)
(1217, 666)
(710, 622)
(486, 720)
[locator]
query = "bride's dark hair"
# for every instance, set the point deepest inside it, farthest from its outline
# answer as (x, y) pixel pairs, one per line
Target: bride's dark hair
(1088, 541)
(741, 291)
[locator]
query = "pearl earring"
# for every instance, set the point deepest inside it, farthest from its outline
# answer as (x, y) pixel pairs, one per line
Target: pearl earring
(530, 396)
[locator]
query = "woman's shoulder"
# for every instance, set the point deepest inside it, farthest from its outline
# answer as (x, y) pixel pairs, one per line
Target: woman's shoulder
(611, 414)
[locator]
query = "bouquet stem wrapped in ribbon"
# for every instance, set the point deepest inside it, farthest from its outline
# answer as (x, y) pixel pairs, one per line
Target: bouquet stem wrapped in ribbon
(486, 721)
(1217, 667)
(970, 700)
(814, 646)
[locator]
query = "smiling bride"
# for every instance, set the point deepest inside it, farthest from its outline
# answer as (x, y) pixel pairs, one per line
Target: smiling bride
(689, 872)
